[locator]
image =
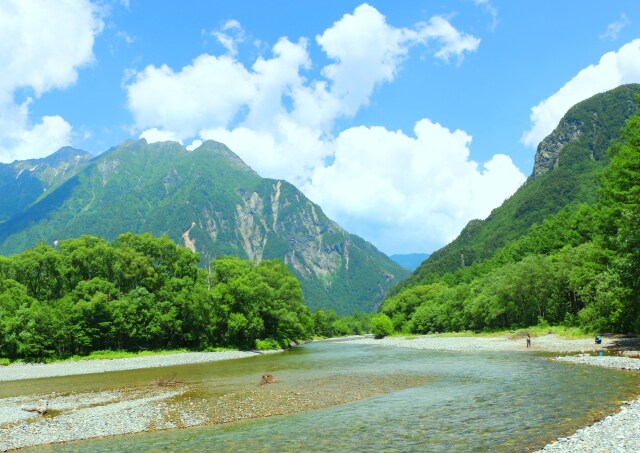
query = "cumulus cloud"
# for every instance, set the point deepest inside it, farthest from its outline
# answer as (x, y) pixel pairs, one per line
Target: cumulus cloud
(452, 42)
(155, 135)
(613, 69)
(230, 35)
(366, 51)
(384, 182)
(219, 91)
(42, 46)
(405, 193)
(614, 29)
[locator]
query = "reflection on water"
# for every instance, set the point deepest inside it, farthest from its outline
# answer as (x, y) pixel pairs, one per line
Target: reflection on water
(412, 400)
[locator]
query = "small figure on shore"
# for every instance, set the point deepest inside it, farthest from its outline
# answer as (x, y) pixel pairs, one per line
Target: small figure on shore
(598, 339)
(42, 409)
(528, 341)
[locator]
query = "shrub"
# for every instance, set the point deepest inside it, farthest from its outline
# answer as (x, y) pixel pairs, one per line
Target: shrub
(381, 326)
(265, 345)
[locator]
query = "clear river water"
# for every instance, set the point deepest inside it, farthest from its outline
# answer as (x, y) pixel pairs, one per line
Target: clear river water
(381, 399)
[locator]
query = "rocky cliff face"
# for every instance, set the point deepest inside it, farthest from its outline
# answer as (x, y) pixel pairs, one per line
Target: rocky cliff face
(594, 122)
(549, 149)
(567, 167)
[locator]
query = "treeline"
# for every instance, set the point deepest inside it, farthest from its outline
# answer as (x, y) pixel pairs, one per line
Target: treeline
(142, 292)
(580, 267)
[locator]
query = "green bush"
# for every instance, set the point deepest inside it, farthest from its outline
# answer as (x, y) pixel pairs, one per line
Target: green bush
(266, 345)
(381, 326)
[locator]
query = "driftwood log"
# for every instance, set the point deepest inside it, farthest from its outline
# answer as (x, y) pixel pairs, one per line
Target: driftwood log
(42, 409)
(267, 379)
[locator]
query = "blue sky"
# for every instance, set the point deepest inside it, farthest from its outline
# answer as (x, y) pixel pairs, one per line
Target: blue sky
(402, 120)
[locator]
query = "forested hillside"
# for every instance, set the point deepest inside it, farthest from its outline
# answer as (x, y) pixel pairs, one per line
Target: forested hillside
(567, 166)
(211, 202)
(577, 264)
(142, 292)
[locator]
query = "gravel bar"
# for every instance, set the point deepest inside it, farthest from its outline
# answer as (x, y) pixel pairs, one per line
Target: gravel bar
(81, 416)
(20, 371)
(548, 343)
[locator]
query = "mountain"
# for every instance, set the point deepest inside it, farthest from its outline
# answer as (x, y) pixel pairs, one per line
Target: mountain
(212, 202)
(23, 182)
(567, 166)
(409, 260)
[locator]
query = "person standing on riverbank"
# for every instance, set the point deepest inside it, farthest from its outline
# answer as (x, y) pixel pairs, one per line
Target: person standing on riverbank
(528, 341)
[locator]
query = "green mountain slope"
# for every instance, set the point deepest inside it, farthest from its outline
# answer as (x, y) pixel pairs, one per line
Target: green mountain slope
(568, 164)
(579, 267)
(23, 182)
(212, 202)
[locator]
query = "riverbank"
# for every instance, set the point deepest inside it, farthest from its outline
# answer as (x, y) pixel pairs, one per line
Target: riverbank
(545, 343)
(18, 371)
(83, 415)
(172, 400)
(167, 405)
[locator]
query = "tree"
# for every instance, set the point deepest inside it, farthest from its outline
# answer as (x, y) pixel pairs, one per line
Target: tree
(381, 326)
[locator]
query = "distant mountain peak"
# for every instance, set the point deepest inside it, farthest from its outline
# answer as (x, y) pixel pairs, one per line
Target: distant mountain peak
(220, 149)
(22, 182)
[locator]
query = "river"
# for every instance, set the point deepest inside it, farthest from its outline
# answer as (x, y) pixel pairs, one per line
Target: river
(372, 398)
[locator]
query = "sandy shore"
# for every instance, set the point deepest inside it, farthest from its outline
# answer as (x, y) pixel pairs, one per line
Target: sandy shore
(82, 415)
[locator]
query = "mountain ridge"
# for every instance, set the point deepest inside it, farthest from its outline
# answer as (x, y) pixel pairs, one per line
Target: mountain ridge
(210, 201)
(567, 165)
(23, 182)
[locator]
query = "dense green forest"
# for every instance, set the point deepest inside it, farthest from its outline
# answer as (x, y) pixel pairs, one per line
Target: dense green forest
(143, 292)
(578, 267)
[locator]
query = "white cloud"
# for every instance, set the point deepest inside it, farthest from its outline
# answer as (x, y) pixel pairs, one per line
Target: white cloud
(220, 91)
(51, 134)
(453, 43)
(209, 91)
(409, 193)
(614, 29)
(194, 145)
(613, 69)
(155, 135)
(401, 192)
(366, 51)
(230, 35)
(42, 46)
